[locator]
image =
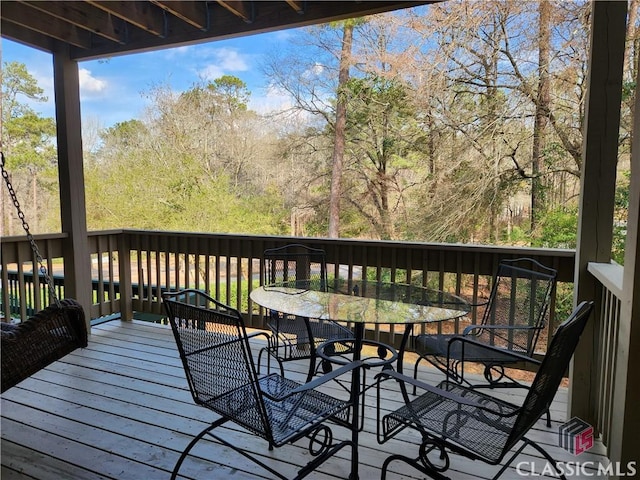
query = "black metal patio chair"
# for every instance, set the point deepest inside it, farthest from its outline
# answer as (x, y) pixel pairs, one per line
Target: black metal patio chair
(215, 352)
(465, 421)
(304, 268)
(513, 319)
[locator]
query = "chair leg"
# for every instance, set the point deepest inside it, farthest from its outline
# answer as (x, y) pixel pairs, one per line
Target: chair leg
(313, 465)
(415, 464)
(415, 372)
(548, 417)
(546, 455)
(195, 440)
(312, 365)
(525, 442)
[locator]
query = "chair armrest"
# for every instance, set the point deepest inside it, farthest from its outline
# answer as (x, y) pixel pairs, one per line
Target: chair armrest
(231, 340)
(440, 392)
(258, 334)
(489, 348)
(468, 330)
(313, 384)
(481, 303)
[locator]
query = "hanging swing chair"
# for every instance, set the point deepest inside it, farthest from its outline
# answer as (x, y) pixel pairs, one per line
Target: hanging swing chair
(48, 335)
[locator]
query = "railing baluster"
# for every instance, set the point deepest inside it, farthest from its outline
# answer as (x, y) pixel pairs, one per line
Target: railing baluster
(200, 259)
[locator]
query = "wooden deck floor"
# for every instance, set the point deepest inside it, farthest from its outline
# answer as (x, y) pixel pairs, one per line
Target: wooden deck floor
(120, 409)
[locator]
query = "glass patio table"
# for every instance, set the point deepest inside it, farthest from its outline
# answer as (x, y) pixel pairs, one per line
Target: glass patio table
(361, 302)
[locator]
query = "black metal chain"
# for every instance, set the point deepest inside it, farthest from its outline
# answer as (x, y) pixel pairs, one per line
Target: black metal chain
(25, 226)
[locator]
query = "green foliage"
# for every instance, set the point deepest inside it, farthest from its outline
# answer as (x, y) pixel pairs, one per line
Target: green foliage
(224, 95)
(517, 236)
(27, 141)
(125, 134)
(16, 82)
(431, 154)
(172, 171)
(232, 298)
(558, 229)
(381, 133)
(620, 216)
(26, 136)
(564, 303)
(618, 243)
(233, 90)
(176, 197)
(628, 89)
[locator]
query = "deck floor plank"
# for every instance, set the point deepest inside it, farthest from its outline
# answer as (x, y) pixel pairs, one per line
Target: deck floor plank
(121, 409)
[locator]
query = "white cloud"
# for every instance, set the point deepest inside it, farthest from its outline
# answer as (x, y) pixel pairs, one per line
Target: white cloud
(232, 59)
(315, 71)
(211, 72)
(274, 100)
(172, 53)
(224, 61)
(89, 83)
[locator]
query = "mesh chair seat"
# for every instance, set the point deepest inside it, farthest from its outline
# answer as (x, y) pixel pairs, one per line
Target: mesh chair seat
(286, 418)
(468, 426)
(513, 319)
(464, 420)
(440, 345)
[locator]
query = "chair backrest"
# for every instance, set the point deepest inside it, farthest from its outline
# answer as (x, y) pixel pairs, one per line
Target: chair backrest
(520, 297)
(550, 373)
(214, 349)
(296, 266)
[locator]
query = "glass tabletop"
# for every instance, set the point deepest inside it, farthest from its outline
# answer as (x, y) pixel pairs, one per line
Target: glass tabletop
(361, 301)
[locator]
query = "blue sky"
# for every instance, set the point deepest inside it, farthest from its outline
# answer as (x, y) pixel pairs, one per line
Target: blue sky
(111, 90)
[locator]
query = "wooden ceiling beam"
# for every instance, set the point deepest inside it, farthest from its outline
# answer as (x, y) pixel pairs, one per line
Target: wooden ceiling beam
(297, 6)
(144, 15)
(84, 16)
(27, 37)
(194, 13)
(25, 16)
(121, 27)
(240, 9)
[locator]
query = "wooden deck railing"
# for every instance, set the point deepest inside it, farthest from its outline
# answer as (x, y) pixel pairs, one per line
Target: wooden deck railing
(24, 293)
(607, 319)
(130, 268)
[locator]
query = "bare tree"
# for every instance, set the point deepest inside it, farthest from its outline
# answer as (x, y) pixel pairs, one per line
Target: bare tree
(339, 131)
(542, 109)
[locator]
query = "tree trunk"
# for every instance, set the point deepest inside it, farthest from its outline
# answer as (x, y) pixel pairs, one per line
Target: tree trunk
(541, 118)
(631, 46)
(34, 200)
(431, 147)
(339, 132)
(631, 54)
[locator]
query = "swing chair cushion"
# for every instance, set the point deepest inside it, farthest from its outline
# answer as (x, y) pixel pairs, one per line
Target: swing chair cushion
(47, 336)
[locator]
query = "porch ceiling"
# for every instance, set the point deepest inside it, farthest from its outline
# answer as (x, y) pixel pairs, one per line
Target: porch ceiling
(94, 29)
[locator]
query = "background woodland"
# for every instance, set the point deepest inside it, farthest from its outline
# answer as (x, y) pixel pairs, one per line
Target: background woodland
(456, 122)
